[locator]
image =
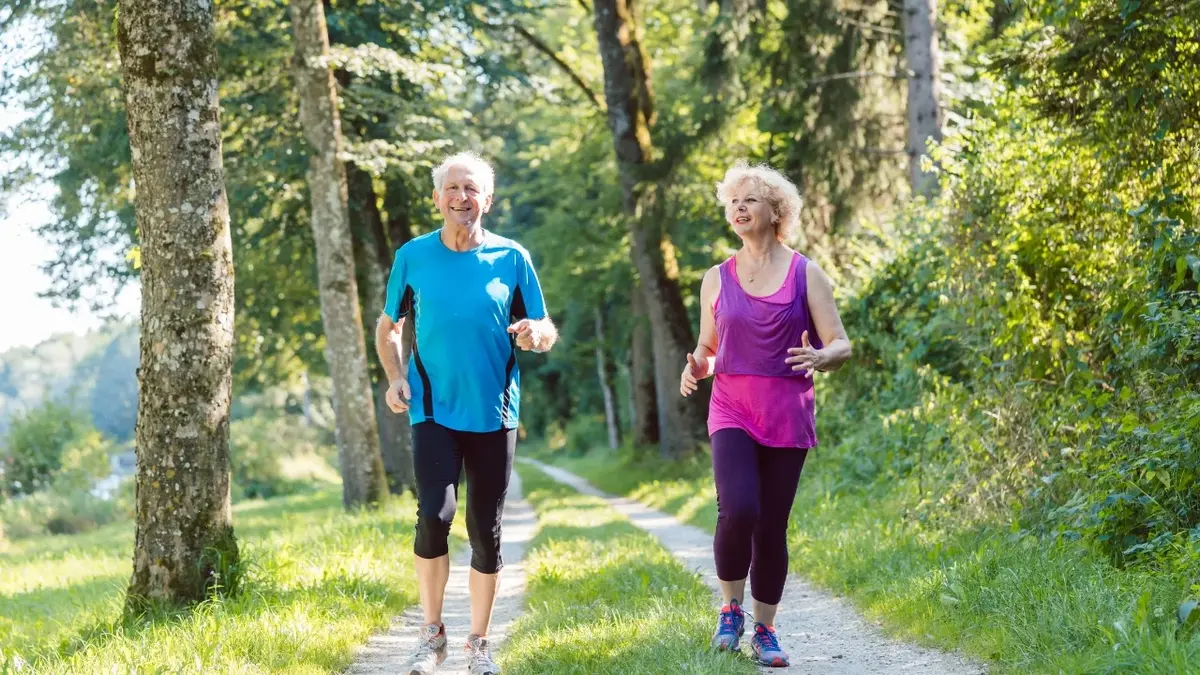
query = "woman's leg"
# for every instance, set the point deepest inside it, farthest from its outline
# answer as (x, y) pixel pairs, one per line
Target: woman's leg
(779, 470)
(735, 470)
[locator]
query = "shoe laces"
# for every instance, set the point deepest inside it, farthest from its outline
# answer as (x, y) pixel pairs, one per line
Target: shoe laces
(766, 638)
(428, 640)
(480, 652)
(730, 618)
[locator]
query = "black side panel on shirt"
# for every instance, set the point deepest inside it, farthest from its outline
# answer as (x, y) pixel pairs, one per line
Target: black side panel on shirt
(406, 301)
(516, 312)
(427, 397)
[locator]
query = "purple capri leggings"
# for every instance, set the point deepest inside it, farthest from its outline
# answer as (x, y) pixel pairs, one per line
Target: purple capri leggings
(755, 489)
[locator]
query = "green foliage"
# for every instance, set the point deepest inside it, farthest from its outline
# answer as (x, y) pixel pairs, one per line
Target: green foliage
(64, 509)
(1031, 348)
(1021, 602)
(272, 455)
(52, 444)
(318, 583)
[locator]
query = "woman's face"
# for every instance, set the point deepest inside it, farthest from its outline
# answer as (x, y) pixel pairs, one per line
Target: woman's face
(747, 210)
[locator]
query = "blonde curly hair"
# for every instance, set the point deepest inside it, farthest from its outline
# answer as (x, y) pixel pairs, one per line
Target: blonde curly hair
(781, 194)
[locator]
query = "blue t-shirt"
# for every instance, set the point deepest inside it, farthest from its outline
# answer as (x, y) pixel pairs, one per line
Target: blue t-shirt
(463, 368)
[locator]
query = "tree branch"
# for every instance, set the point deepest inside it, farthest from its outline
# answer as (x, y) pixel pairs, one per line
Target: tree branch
(870, 26)
(857, 75)
(566, 68)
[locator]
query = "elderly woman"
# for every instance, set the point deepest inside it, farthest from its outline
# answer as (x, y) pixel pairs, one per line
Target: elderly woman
(767, 321)
(474, 298)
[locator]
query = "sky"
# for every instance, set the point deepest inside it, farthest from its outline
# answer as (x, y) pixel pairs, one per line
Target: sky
(25, 318)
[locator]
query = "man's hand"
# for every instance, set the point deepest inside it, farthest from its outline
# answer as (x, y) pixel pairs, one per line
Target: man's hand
(398, 396)
(528, 334)
(805, 358)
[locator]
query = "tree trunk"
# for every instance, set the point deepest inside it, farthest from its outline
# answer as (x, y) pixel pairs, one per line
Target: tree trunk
(399, 459)
(397, 203)
(641, 376)
(363, 480)
(924, 89)
(184, 546)
(395, 442)
(630, 105)
(604, 375)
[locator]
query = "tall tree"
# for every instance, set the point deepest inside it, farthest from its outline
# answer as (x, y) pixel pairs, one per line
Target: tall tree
(643, 392)
(184, 536)
(363, 479)
(604, 374)
(630, 105)
(924, 89)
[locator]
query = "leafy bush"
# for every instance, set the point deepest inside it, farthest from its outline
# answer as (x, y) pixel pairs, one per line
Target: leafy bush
(274, 455)
(1033, 349)
(64, 509)
(52, 444)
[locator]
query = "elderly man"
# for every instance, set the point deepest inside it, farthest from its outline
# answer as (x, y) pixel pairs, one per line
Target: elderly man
(474, 298)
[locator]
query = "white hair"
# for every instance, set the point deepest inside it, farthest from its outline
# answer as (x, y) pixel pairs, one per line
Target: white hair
(781, 194)
(483, 171)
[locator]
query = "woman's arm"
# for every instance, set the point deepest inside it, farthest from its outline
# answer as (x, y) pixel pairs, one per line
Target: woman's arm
(702, 362)
(828, 323)
(706, 344)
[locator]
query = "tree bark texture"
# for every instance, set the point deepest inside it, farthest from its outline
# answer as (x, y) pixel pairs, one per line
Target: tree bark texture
(605, 376)
(363, 480)
(630, 105)
(924, 89)
(641, 376)
(184, 544)
(370, 254)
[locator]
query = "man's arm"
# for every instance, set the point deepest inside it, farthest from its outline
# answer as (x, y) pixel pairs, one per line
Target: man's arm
(388, 347)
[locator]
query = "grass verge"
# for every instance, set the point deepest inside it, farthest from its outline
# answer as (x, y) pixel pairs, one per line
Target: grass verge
(1025, 604)
(606, 597)
(319, 582)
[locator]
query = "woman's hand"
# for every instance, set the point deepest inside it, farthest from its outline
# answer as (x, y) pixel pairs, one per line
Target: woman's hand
(692, 373)
(805, 358)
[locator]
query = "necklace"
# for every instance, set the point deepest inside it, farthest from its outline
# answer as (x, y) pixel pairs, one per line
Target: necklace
(767, 259)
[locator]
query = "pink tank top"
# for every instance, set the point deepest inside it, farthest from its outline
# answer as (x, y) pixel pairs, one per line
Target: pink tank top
(753, 389)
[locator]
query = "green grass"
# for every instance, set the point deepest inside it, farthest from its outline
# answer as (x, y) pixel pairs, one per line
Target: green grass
(1027, 605)
(606, 597)
(319, 581)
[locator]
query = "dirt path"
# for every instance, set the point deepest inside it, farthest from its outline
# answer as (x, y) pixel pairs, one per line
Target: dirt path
(822, 633)
(388, 652)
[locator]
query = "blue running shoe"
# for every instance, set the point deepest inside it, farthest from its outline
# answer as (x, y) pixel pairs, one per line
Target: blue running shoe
(765, 646)
(731, 624)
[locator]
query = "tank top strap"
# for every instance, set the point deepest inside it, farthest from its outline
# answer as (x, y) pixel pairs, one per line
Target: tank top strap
(799, 279)
(729, 281)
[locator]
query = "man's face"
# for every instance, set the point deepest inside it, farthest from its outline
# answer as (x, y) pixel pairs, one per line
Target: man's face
(461, 199)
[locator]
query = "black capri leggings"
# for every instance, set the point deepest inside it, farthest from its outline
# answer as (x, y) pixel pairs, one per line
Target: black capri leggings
(439, 455)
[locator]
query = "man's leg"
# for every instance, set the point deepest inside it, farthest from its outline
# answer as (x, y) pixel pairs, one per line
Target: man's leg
(432, 575)
(488, 461)
(437, 461)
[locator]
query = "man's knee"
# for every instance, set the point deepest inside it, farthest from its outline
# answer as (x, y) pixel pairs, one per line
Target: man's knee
(486, 558)
(484, 530)
(434, 517)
